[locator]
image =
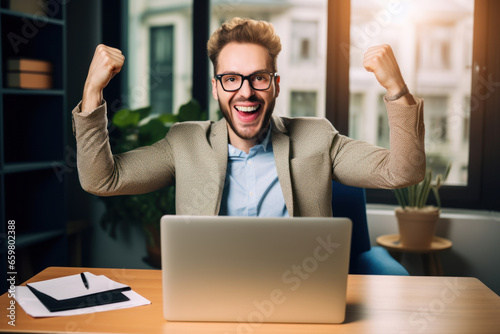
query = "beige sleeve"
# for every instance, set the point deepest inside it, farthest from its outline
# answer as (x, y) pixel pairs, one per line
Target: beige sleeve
(361, 164)
(101, 173)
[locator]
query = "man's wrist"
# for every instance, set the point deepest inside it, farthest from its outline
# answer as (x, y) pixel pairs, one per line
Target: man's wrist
(92, 99)
(402, 92)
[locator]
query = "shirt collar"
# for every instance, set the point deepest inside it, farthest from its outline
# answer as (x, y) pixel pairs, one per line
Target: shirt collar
(265, 145)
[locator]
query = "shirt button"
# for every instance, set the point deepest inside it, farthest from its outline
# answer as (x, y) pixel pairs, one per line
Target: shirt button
(251, 193)
(249, 162)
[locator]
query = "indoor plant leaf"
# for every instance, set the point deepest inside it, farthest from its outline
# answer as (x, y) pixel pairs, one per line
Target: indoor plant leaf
(152, 131)
(143, 112)
(190, 111)
(168, 118)
(126, 118)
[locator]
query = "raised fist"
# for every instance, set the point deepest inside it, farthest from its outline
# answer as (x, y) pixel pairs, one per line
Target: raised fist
(107, 62)
(381, 61)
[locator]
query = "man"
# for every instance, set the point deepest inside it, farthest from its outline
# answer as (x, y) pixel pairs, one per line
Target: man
(250, 162)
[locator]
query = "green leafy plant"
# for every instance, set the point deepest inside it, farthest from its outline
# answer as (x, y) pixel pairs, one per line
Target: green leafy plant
(416, 196)
(133, 129)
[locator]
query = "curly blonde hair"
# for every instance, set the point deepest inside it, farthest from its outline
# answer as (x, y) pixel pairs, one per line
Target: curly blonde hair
(241, 30)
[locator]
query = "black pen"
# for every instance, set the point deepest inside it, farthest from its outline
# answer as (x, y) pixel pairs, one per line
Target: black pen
(84, 279)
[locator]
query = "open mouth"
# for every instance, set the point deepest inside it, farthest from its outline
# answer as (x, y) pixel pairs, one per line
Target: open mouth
(248, 113)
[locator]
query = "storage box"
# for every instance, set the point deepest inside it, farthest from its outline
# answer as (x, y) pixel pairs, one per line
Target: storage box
(28, 65)
(29, 80)
(29, 73)
(34, 7)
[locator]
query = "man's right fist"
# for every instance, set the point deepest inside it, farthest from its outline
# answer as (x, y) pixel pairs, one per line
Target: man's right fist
(107, 62)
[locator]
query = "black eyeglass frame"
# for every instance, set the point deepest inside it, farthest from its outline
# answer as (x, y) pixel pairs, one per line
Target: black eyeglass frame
(273, 75)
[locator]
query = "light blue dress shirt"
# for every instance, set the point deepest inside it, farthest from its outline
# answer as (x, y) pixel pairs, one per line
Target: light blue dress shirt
(252, 187)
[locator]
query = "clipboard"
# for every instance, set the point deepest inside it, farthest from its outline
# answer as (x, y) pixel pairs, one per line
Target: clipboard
(78, 291)
(90, 300)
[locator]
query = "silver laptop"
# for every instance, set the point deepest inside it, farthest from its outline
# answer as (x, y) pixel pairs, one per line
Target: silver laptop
(241, 269)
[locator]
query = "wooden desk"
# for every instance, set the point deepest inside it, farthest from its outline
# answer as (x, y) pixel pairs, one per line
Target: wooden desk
(432, 264)
(375, 304)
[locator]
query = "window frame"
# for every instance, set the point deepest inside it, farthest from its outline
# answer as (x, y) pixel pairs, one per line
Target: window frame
(159, 78)
(482, 189)
(201, 33)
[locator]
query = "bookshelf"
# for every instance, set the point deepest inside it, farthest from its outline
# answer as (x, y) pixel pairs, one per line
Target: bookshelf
(33, 142)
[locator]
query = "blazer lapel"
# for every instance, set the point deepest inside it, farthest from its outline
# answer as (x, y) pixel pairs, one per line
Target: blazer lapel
(219, 142)
(281, 149)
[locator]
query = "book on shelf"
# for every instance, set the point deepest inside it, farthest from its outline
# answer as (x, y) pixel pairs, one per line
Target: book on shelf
(34, 7)
(29, 73)
(29, 65)
(29, 80)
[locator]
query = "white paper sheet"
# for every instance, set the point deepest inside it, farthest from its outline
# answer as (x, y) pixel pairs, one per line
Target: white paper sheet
(56, 288)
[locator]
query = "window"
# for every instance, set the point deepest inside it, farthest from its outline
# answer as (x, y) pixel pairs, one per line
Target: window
(382, 123)
(423, 37)
(457, 74)
(162, 61)
(303, 104)
(434, 44)
(435, 119)
(357, 119)
(159, 57)
(304, 42)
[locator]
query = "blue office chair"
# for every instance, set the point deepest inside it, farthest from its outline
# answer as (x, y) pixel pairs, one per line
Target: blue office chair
(350, 202)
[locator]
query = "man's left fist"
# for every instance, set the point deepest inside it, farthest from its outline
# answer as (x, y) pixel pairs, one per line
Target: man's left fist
(381, 61)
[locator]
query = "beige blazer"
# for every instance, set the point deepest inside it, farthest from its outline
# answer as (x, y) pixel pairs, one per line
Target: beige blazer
(309, 153)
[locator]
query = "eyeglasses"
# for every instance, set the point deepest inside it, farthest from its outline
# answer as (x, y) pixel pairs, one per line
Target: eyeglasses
(259, 81)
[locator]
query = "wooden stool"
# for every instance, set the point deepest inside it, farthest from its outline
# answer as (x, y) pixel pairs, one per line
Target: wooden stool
(432, 264)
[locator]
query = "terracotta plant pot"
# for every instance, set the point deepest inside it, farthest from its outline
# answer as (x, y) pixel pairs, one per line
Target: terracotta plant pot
(417, 226)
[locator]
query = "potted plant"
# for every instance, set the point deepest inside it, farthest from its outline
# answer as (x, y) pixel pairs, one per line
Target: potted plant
(417, 221)
(133, 129)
